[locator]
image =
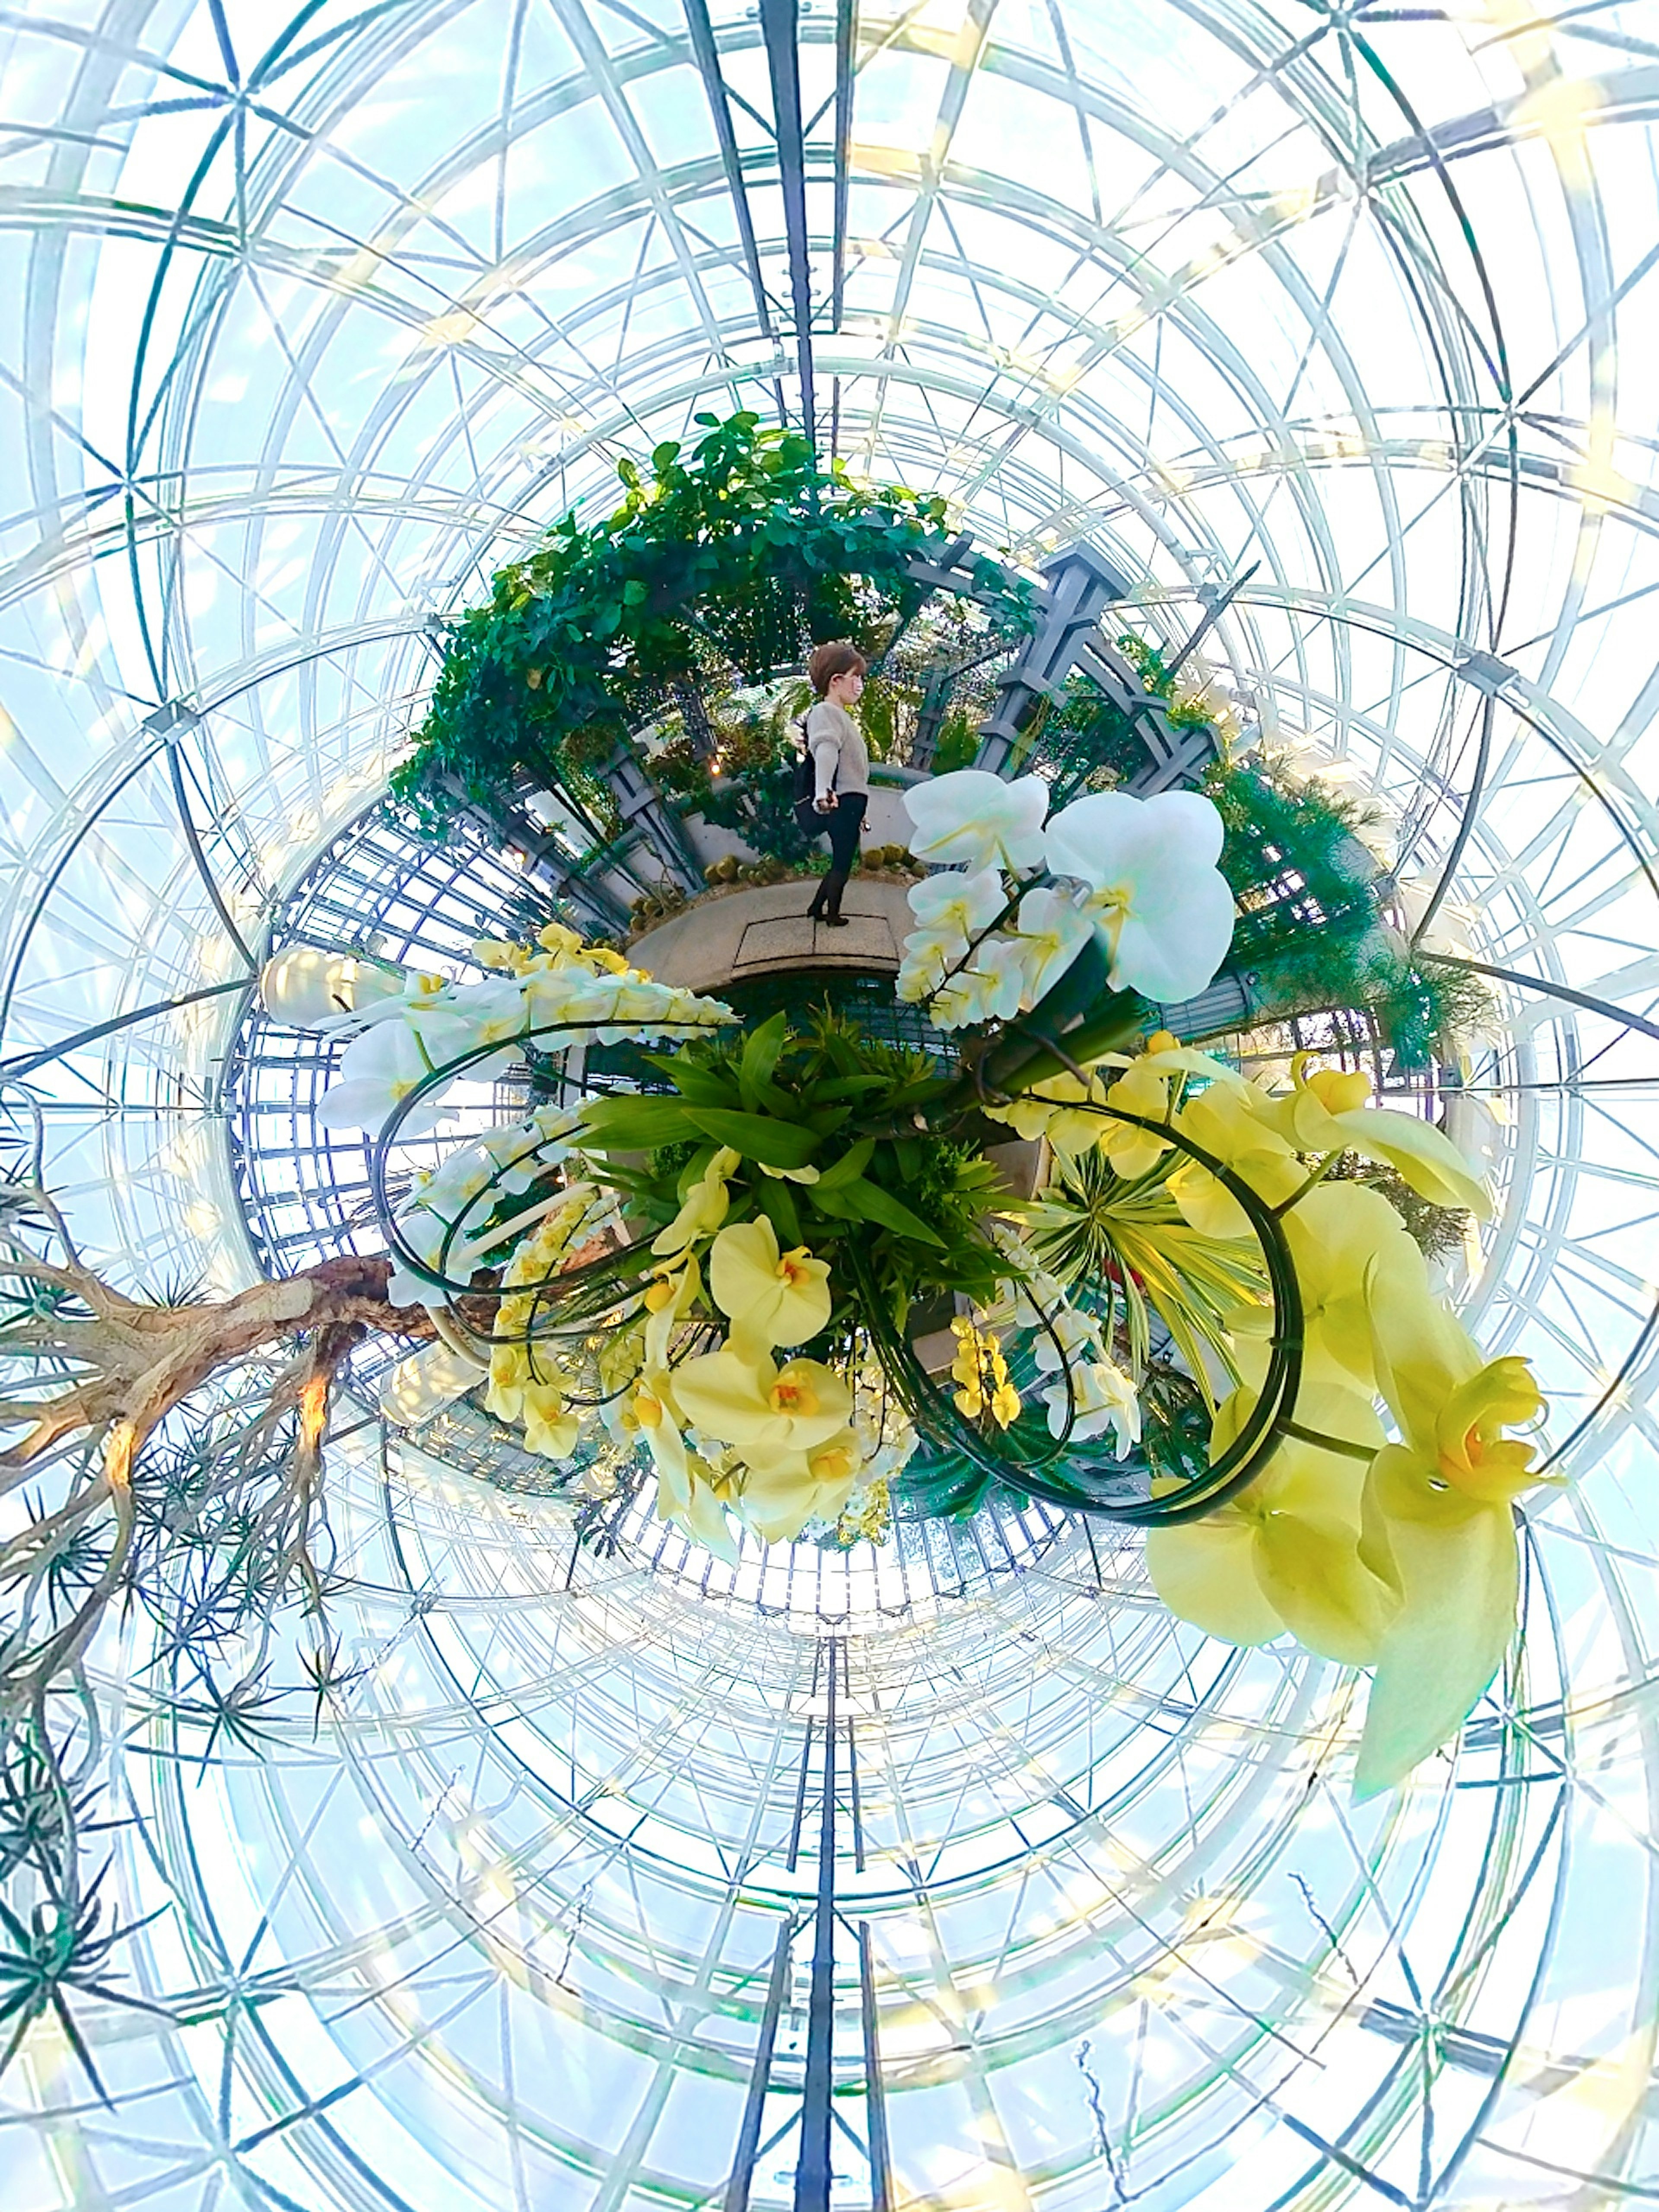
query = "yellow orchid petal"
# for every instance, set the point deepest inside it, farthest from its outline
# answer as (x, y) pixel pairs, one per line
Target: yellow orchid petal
(1340, 1093)
(1454, 1561)
(1225, 1121)
(1300, 1521)
(1310, 1571)
(1423, 1156)
(550, 1427)
(780, 1497)
(1205, 1205)
(1452, 1404)
(1204, 1573)
(1339, 1234)
(1421, 1354)
(1473, 1454)
(706, 1522)
(684, 1286)
(770, 1296)
(757, 1407)
(705, 1206)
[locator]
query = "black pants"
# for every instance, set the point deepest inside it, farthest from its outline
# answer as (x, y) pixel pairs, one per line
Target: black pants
(841, 829)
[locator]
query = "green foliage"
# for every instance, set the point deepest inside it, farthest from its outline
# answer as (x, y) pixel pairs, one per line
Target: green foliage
(1126, 1246)
(1309, 930)
(832, 1113)
(725, 560)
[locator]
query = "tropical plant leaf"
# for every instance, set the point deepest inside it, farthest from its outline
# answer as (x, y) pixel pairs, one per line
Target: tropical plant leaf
(637, 1124)
(863, 1200)
(756, 1136)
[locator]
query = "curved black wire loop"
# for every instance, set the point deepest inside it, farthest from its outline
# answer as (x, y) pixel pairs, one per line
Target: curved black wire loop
(586, 1293)
(1022, 1463)
(1009, 1461)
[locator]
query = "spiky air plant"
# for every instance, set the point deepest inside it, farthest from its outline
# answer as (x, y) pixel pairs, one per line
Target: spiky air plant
(166, 1450)
(94, 1374)
(61, 1947)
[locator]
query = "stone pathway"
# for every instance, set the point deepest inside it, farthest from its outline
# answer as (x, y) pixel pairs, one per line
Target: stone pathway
(762, 932)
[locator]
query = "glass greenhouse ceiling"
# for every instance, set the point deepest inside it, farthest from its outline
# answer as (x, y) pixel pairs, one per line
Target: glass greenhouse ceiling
(311, 324)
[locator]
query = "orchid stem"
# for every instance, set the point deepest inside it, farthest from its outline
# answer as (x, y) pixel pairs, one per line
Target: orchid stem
(1339, 1444)
(1303, 1189)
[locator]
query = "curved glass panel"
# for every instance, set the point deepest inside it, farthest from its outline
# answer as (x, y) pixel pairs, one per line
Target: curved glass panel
(1330, 326)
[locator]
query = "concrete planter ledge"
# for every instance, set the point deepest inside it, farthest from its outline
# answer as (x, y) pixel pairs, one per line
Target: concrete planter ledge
(732, 935)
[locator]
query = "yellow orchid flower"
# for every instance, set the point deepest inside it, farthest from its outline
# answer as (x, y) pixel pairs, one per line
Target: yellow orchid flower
(553, 937)
(770, 1296)
(705, 1207)
(1338, 1233)
(509, 1371)
(765, 1411)
(668, 1299)
(1225, 1121)
(549, 1425)
(1439, 1520)
(1051, 1110)
(1326, 1112)
(684, 1494)
(1286, 1554)
(780, 1498)
(1138, 1089)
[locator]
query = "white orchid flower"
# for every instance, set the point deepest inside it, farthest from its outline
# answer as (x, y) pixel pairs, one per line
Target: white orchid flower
(976, 818)
(424, 1235)
(1000, 964)
(379, 1069)
(954, 901)
(1101, 1396)
(1052, 929)
(306, 987)
(1163, 906)
(962, 1000)
(1061, 1335)
(929, 957)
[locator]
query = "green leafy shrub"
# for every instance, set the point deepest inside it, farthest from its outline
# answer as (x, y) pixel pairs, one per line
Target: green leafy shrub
(726, 562)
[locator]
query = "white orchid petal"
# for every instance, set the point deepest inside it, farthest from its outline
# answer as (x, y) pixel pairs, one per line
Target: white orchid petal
(1175, 956)
(977, 819)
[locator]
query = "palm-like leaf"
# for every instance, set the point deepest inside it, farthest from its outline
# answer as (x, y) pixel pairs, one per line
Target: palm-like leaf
(1126, 1242)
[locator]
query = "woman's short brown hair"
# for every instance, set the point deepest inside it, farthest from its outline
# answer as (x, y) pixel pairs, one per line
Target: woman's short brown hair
(829, 661)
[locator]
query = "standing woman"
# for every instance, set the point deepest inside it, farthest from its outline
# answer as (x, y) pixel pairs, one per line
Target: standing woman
(840, 768)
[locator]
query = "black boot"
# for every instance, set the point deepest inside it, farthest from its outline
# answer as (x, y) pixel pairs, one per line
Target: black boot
(830, 913)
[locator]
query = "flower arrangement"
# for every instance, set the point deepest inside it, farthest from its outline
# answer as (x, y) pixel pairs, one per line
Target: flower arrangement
(792, 1284)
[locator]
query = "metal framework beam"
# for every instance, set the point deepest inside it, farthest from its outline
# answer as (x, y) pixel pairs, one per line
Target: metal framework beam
(719, 107)
(813, 2172)
(881, 2165)
(779, 23)
(844, 20)
(748, 2135)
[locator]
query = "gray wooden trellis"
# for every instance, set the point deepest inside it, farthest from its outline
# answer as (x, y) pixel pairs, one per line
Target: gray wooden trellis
(1079, 586)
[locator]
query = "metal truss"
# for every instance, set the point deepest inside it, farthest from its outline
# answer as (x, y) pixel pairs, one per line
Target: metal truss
(322, 314)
